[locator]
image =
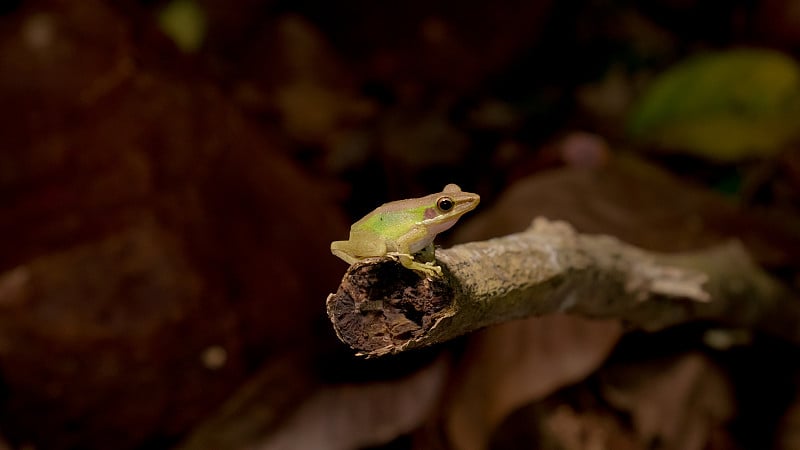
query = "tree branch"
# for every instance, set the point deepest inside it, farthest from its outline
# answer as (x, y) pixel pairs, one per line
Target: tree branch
(382, 308)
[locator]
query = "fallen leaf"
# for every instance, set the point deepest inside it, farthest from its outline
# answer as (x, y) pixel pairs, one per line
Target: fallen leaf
(788, 433)
(356, 416)
(588, 431)
(676, 403)
(144, 222)
(510, 365)
(639, 203)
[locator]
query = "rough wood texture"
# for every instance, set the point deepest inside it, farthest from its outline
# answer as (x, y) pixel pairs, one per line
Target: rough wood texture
(382, 308)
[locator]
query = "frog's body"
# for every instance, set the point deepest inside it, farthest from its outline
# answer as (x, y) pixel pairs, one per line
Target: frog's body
(405, 227)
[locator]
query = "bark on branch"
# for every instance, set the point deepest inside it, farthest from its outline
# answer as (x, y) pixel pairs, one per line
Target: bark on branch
(382, 308)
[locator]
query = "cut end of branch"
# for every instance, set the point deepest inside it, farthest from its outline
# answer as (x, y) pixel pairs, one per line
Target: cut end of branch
(381, 306)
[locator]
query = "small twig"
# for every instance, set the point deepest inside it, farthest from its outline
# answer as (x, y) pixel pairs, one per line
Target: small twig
(382, 308)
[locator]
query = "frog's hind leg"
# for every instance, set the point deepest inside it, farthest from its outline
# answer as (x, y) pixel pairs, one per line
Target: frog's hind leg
(339, 249)
(354, 250)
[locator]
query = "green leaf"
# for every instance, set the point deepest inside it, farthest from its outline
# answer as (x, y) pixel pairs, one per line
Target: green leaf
(723, 106)
(185, 23)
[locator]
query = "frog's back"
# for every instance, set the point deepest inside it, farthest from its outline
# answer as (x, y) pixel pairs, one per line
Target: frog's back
(391, 220)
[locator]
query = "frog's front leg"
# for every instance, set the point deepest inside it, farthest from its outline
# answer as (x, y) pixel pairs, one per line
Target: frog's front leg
(401, 248)
(426, 268)
(423, 261)
(427, 254)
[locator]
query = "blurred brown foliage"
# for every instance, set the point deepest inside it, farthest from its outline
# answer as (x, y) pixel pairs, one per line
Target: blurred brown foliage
(166, 220)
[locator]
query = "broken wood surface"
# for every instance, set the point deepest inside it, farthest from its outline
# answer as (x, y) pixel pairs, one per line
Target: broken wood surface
(382, 308)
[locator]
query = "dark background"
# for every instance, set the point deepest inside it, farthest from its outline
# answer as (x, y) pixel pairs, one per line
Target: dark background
(172, 174)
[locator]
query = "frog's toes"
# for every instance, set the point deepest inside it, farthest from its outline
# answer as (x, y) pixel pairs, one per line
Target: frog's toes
(400, 256)
(433, 266)
(428, 268)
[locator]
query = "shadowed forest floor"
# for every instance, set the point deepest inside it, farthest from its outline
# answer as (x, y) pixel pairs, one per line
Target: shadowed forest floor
(172, 174)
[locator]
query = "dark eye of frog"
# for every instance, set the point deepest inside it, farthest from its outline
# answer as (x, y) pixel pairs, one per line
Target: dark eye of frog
(445, 203)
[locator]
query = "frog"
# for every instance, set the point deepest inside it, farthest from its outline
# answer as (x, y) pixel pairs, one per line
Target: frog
(405, 229)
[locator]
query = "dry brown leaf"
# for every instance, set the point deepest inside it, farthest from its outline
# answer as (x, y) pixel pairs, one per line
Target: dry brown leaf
(588, 431)
(638, 203)
(355, 416)
(516, 363)
(146, 223)
(788, 434)
(678, 403)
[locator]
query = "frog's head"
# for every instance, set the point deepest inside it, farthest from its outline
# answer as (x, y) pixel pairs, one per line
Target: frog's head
(445, 208)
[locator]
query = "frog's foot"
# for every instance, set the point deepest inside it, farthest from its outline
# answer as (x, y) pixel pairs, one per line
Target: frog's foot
(426, 254)
(426, 268)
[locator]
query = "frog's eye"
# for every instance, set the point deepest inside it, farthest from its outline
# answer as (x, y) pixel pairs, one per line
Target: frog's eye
(445, 204)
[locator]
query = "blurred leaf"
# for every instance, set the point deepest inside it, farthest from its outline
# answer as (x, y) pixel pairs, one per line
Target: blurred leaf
(678, 402)
(573, 430)
(723, 106)
(639, 203)
(111, 290)
(516, 363)
(788, 433)
(185, 23)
